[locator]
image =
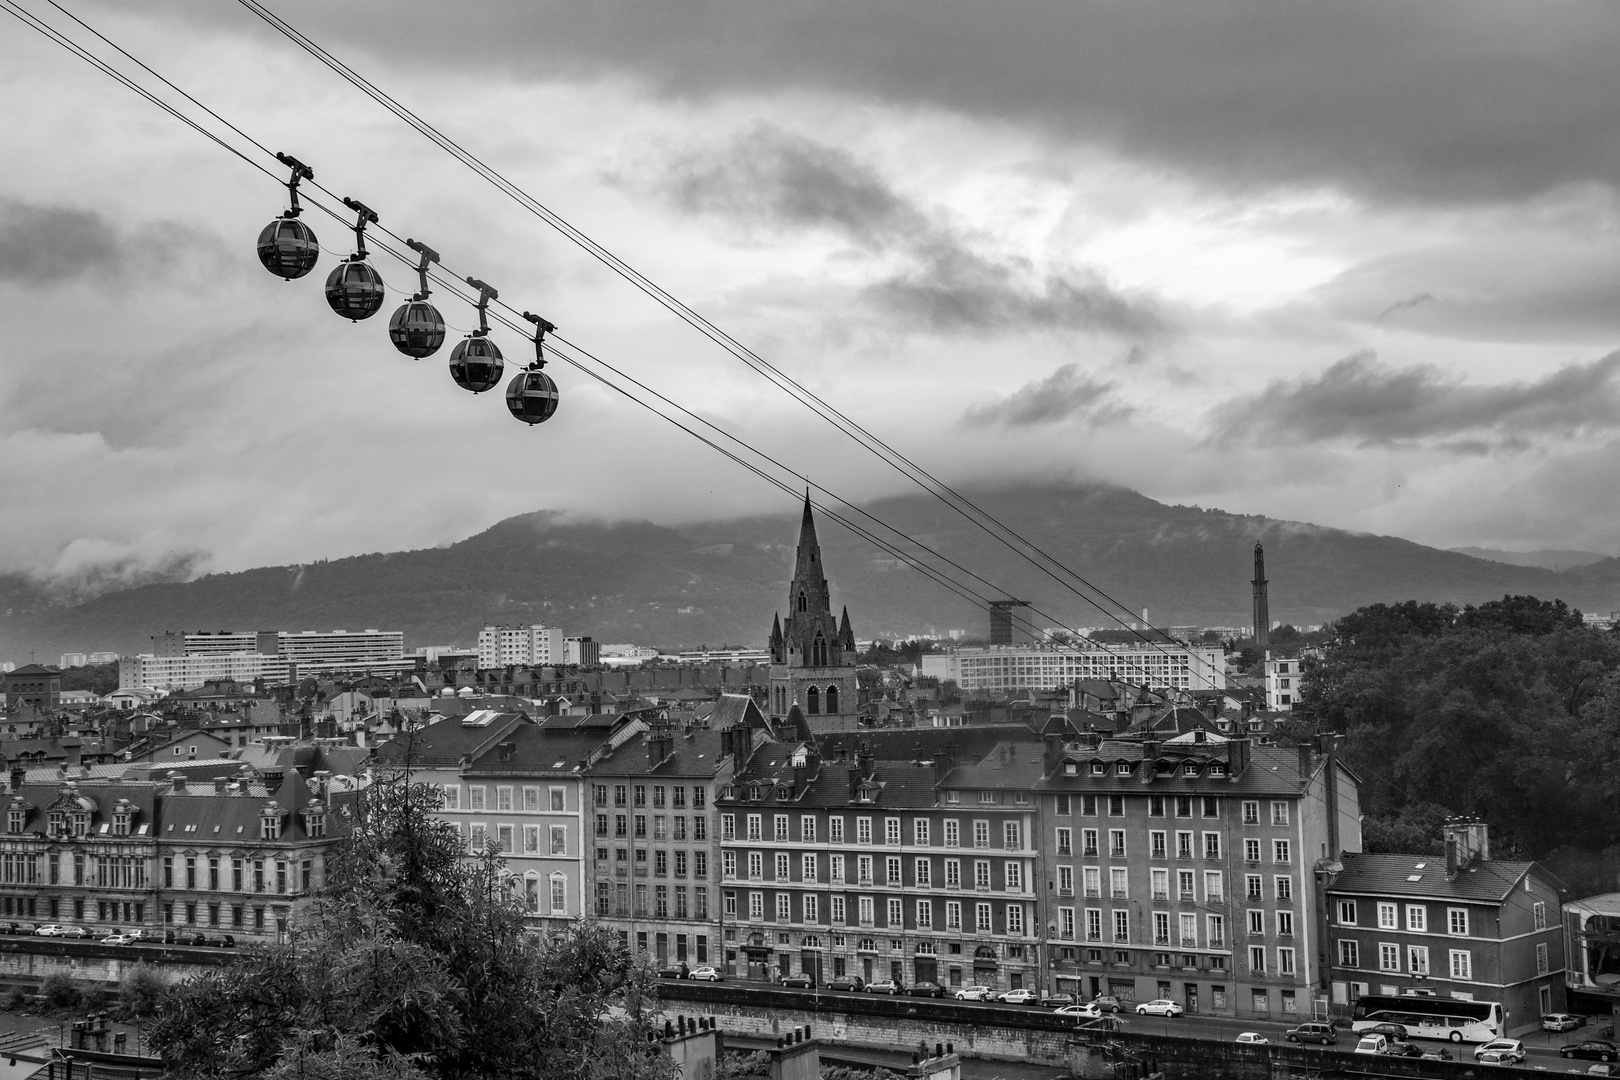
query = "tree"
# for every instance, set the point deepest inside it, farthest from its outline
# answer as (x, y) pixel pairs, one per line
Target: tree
(416, 962)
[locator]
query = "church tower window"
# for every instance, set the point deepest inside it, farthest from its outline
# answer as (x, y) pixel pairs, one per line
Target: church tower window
(818, 652)
(812, 699)
(803, 605)
(832, 699)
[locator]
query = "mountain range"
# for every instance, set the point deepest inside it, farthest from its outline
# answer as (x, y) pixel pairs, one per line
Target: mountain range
(719, 582)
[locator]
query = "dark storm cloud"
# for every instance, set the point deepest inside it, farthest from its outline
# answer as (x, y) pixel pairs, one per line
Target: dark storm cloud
(772, 179)
(43, 244)
(1066, 394)
(1446, 100)
(1363, 401)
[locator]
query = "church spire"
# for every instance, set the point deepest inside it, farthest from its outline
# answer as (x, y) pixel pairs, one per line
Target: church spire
(809, 592)
(846, 636)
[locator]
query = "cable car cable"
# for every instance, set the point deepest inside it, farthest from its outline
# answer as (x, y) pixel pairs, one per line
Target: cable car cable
(365, 216)
(987, 522)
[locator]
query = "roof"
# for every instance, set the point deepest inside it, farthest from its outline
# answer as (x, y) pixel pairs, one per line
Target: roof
(1486, 881)
(445, 742)
(1010, 765)
(694, 753)
(532, 749)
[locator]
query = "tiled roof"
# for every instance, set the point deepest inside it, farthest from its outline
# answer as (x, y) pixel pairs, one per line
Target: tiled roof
(1010, 765)
(1485, 881)
(446, 741)
(533, 749)
(693, 754)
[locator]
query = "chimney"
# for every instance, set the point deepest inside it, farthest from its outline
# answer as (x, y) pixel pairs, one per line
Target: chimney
(944, 761)
(864, 761)
(1467, 839)
(1237, 758)
(272, 780)
(1307, 760)
(177, 782)
(1262, 612)
(219, 785)
(17, 778)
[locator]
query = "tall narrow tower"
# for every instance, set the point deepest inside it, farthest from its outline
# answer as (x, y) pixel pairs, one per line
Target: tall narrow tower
(1262, 614)
(813, 650)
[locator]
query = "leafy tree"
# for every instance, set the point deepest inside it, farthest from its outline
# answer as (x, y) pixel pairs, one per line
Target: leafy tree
(415, 962)
(141, 992)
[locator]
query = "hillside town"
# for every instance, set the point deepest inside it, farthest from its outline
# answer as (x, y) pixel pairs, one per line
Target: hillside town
(1079, 821)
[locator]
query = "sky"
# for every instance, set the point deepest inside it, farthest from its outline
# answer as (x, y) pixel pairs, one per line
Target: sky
(1351, 264)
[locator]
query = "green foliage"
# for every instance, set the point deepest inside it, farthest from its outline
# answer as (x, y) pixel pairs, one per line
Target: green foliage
(58, 991)
(416, 962)
(141, 992)
(1509, 711)
(97, 678)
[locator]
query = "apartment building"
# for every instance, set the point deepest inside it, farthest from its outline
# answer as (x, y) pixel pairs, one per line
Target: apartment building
(895, 855)
(518, 646)
(1464, 926)
(1186, 869)
(1056, 665)
(655, 868)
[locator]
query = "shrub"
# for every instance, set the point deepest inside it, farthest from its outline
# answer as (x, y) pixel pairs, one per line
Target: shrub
(18, 999)
(58, 991)
(141, 992)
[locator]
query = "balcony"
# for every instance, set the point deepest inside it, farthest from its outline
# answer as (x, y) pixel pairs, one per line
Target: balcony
(1094, 893)
(1161, 894)
(1214, 896)
(1217, 941)
(1186, 895)
(1065, 892)
(1116, 853)
(1189, 941)
(1161, 939)
(1119, 894)
(1093, 935)
(641, 871)
(1089, 852)
(1065, 849)
(1121, 939)
(1067, 935)
(865, 880)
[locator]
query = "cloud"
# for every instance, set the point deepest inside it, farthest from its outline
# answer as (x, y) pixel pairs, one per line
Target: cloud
(1407, 305)
(44, 244)
(1066, 394)
(1360, 400)
(1444, 100)
(768, 178)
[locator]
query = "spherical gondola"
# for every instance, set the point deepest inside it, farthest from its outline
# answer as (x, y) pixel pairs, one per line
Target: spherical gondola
(288, 249)
(417, 329)
(354, 290)
(476, 364)
(532, 397)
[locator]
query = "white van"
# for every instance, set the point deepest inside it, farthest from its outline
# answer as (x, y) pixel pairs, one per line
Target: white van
(1372, 1044)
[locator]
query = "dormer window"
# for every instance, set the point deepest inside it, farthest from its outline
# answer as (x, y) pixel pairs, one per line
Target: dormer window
(1217, 769)
(81, 824)
(1070, 769)
(17, 819)
(1189, 769)
(1099, 769)
(56, 824)
(270, 825)
(1122, 768)
(315, 820)
(753, 793)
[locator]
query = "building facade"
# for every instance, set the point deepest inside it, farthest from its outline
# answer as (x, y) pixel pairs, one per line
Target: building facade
(33, 686)
(1185, 869)
(520, 646)
(813, 651)
(1053, 666)
(1464, 925)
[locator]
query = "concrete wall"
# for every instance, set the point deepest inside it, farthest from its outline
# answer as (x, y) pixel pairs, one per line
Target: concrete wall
(1115, 1056)
(25, 962)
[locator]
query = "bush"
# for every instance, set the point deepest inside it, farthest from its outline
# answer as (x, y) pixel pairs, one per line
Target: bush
(58, 991)
(141, 993)
(18, 999)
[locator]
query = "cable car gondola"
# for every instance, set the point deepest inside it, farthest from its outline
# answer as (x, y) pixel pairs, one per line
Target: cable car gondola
(287, 247)
(417, 328)
(354, 289)
(532, 396)
(476, 363)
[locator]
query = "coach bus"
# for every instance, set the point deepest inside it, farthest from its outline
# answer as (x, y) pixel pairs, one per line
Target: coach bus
(1431, 1017)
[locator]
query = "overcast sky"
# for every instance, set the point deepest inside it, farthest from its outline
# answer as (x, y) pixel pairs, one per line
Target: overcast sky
(1353, 264)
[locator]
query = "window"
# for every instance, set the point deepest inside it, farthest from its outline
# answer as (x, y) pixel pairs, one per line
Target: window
(1214, 892)
(756, 905)
(1117, 883)
(1015, 918)
(1184, 845)
(559, 894)
(1156, 846)
(1122, 926)
(1065, 842)
(1183, 806)
(1285, 961)
(953, 835)
(1279, 813)
(1347, 913)
(784, 907)
(1088, 843)
(1251, 851)
(893, 871)
(1160, 883)
(863, 830)
(728, 864)
(866, 910)
(756, 866)
(1284, 887)
(503, 800)
(835, 908)
(1216, 925)
(1116, 806)
(1251, 887)
(981, 874)
(1065, 880)
(1285, 924)
(1462, 964)
(1251, 812)
(1280, 851)
(452, 797)
(953, 873)
(1212, 845)
(781, 828)
(807, 868)
(891, 830)
(925, 915)
(475, 798)
(1417, 957)
(1093, 924)
(981, 834)
(1257, 924)
(1387, 917)
(1541, 959)
(807, 828)
(781, 866)
(896, 916)
(953, 915)
(1093, 880)
(1457, 922)
(756, 828)
(1257, 959)
(1417, 918)
(1189, 932)
(1161, 928)
(531, 839)
(477, 838)
(1349, 954)
(641, 794)
(1062, 806)
(1012, 836)
(728, 826)
(1088, 803)
(1184, 885)
(1539, 912)
(835, 830)
(1389, 957)
(981, 918)
(1116, 843)
(1211, 806)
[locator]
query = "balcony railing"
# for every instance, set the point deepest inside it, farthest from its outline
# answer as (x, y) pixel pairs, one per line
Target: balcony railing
(1093, 892)
(1093, 935)
(1089, 852)
(1161, 939)
(1217, 941)
(1118, 894)
(1189, 941)
(1116, 853)
(1121, 939)
(1161, 894)
(1065, 849)
(1186, 894)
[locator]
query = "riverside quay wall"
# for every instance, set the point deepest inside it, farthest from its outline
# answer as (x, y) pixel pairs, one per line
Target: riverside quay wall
(27, 961)
(901, 1023)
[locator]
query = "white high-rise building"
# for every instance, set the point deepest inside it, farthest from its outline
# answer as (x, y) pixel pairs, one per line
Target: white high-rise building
(502, 646)
(1170, 665)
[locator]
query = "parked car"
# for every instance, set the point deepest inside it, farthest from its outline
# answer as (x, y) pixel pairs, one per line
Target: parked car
(1497, 1057)
(1315, 1032)
(706, 974)
(926, 989)
(1017, 997)
(1591, 1050)
(1057, 1001)
(1437, 1053)
(118, 938)
(975, 993)
(1107, 1003)
(1404, 1049)
(1371, 1044)
(1392, 1032)
(50, 930)
(1603, 1070)
(1559, 1022)
(673, 971)
(227, 941)
(801, 981)
(1086, 1011)
(14, 928)
(885, 986)
(1510, 1049)
(1252, 1037)
(74, 931)
(846, 982)
(1159, 1007)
